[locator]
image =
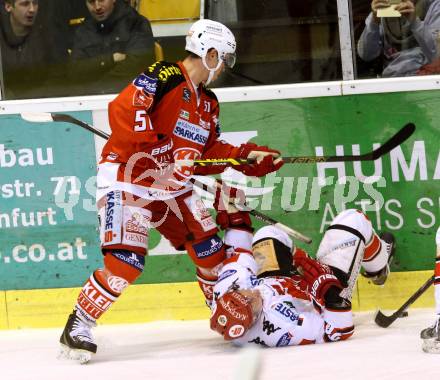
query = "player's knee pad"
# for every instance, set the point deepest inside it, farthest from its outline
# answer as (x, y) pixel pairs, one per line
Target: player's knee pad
(272, 250)
(341, 248)
(122, 225)
(125, 265)
(207, 252)
(375, 255)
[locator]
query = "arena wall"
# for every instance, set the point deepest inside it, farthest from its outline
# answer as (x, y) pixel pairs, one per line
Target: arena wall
(48, 226)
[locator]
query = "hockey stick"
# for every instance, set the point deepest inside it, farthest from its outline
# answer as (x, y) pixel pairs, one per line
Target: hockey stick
(354, 270)
(402, 135)
(258, 215)
(384, 321)
(49, 117)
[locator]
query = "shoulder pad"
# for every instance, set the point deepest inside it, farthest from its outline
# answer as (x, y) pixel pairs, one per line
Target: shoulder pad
(164, 71)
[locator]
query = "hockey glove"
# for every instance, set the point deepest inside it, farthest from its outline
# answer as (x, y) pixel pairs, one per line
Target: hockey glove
(298, 255)
(229, 216)
(319, 277)
(266, 160)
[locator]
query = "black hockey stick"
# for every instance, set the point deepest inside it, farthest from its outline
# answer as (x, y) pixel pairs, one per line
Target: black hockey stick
(384, 321)
(389, 145)
(48, 117)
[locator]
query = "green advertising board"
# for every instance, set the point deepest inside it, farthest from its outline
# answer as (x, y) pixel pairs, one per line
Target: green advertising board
(400, 192)
(42, 167)
(48, 224)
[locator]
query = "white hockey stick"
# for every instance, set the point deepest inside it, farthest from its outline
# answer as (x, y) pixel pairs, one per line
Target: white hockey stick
(354, 271)
(258, 215)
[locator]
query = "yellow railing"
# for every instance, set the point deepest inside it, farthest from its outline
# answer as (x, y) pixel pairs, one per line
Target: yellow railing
(170, 10)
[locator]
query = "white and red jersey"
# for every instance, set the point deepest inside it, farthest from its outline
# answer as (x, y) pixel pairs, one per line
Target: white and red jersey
(289, 318)
(158, 118)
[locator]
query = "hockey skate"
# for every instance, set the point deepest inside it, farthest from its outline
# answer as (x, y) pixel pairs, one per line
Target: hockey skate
(379, 278)
(76, 340)
(431, 338)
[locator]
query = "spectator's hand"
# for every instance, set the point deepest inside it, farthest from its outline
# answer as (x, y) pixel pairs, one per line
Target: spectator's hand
(430, 69)
(407, 9)
(378, 4)
(118, 57)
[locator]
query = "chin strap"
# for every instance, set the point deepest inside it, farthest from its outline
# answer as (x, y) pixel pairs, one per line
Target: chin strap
(211, 71)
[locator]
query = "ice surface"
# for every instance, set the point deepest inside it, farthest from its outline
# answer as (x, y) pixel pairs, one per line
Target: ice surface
(189, 350)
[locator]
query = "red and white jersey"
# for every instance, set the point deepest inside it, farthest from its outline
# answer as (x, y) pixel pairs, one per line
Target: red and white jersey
(289, 318)
(158, 118)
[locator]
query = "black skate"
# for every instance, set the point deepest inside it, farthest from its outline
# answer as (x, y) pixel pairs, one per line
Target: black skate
(379, 278)
(431, 338)
(76, 340)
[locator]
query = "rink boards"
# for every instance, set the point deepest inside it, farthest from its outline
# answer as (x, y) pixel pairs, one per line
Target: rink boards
(48, 225)
(180, 301)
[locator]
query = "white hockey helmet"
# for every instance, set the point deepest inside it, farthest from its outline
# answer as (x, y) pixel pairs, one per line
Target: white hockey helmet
(207, 34)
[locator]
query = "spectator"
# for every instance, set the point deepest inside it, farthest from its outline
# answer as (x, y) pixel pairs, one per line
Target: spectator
(407, 42)
(65, 16)
(110, 47)
(25, 50)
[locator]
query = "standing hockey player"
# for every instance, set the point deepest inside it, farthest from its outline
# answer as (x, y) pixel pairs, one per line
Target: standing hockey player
(278, 308)
(165, 115)
(431, 335)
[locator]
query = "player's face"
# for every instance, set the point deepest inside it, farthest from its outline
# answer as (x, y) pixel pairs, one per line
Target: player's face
(212, 62)
(23, 12)
(100, 9)
(218, 72)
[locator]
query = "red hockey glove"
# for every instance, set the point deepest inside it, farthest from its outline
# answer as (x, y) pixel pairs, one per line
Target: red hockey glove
(229, 216)
(266, 160)
(298, 254)
(319, 277)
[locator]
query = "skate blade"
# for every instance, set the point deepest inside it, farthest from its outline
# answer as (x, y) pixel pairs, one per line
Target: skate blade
(431, 346)
(82, 356)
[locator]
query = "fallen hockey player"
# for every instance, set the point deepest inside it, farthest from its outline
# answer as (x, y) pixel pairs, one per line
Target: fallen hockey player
(262, 301)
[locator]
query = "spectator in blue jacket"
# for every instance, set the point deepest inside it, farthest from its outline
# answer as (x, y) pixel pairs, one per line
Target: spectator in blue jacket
(407, 42)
